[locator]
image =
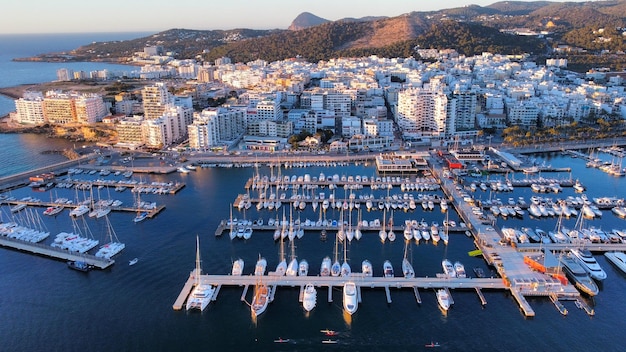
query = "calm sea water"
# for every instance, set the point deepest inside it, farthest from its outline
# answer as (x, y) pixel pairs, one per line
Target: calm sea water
(24, 45)
(46, 306)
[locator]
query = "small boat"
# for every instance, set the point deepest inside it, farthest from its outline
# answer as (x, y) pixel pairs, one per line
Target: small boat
(281, 340)
(329, 341)
(328, 332)
(140, 217)
(79, 266)
(432, 344)
(479, 272)
(448, 268)
(260, 300)
(133, 261)
(366, 268)
(325, 267)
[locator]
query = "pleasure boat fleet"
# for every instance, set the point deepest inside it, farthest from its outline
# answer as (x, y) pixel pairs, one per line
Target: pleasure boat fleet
(578, 275)
(589, 263)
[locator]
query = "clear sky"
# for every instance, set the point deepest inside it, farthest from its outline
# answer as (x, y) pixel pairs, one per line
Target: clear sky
(68, 16)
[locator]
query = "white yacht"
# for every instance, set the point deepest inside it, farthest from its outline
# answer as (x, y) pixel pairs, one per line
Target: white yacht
(350, 301)
(202, 293)
(617, 258)
(366, 268)
(589, 263)
(260, 300)
(448, 268)
(303, 268)
(578, 275)
(443, 299)
(459, 270)
(309, 299)
(325, 267)
(387, 269)
(237, 267)
(80, 210)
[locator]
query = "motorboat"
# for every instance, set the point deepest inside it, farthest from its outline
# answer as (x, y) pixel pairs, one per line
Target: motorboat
(237, 267)
(387, 269)
(617, 258)
(443, 298)
(350, 301)
(578, 275)
(309, 298)
(325, 267)
(589, 263)
(141, 216)
(459, 270)
(133, 261)
(79, 265)
(80, 210)
(448, 268)
(51, 211)
(303, 268)
(366, 268)
(202, 293)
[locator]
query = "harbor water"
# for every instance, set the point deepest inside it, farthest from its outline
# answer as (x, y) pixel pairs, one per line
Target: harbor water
(130, 307)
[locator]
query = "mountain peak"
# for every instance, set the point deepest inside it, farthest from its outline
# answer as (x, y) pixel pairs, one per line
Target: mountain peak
(306, 20)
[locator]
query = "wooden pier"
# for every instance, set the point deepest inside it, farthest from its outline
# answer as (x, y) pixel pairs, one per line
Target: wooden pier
(56, 253)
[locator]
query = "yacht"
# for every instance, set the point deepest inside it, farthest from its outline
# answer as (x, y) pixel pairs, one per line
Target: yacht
(350, 302)
(50, 211)
(617, 258)
(589, 263)
(79, 210)
(325, 267)
(303, 268)
(578, 275)
(309, 299)
(202, 293)
(443, 299)
(448, 268)
(459, 270)
(237, 267)
(366, 268)
(387, 269)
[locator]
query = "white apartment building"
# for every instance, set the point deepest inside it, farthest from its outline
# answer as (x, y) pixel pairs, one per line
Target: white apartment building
(90, 109)
(216, 126)
(376, 127)
(422, 113)
(351, 126)
(157, 133)
(130, 131)
(155, 98)
(29, 109)
(178, 118)
(522, 113)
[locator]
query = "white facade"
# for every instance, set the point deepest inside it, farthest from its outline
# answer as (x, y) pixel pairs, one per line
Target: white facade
(30, 109)
(90, 109)
(155, 99)
(422, 112)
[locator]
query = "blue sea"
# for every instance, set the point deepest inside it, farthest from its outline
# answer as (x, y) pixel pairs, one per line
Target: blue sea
(45, 306)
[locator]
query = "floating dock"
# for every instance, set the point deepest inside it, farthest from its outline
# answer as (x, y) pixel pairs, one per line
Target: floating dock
(56, 253)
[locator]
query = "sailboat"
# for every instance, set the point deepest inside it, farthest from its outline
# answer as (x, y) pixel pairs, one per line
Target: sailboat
(335, 269)
(201, 294)
(141, 215)
(292, 268)
(113, 247)
(382, 233)
(233, 232)
(325, 267)
(281, 268)
(261, 265)
(345, 267)
(261, 298)
(407, 268)
(391, 235)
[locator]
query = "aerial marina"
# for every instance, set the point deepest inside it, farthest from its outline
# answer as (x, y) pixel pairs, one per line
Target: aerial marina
(345, 209)
(349, 196)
